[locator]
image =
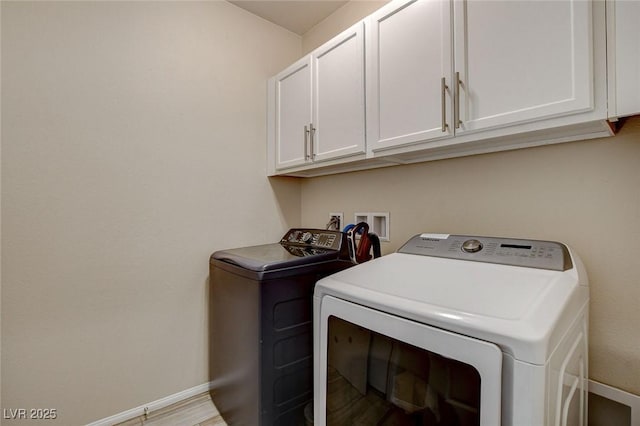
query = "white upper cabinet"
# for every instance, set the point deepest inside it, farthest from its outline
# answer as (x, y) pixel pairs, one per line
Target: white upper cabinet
(447, 78)
(409, 73)
(319, 105)
(293, 114)
(338, 96)
(623, 18)
(520, 61)
(442, 68)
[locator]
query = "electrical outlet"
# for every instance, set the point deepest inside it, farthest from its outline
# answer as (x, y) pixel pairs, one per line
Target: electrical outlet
(335, 221)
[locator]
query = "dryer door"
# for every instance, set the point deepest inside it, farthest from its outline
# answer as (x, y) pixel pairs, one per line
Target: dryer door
(375, 368)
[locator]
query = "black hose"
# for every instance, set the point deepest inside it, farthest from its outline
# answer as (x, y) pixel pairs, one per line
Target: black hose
(375, 245)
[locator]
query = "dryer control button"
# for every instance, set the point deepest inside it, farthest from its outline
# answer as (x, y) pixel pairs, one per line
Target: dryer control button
(471, 246)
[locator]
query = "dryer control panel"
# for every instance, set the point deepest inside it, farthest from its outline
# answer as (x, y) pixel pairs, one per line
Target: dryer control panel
(505, 251)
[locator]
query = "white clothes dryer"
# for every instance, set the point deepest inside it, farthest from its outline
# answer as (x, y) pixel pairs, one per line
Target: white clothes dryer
(454, 330)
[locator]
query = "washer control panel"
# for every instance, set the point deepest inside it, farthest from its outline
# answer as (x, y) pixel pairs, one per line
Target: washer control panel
(318, 238)
(506, 251)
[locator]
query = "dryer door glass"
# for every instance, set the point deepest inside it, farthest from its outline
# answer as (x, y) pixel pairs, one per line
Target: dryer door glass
(373, 379)
(378, 369)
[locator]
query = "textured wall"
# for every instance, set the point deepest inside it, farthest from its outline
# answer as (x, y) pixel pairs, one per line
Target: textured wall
(133, 146)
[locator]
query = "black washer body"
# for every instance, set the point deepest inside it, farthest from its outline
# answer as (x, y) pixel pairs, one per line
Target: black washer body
(261, 327)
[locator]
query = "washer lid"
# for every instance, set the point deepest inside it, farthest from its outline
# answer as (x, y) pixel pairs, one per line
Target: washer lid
(515, 307)
(269, 257)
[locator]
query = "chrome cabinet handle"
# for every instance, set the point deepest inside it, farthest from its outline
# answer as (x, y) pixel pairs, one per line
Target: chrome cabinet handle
(306, 143)
(444, 88)
(456, 117)
(312, 132)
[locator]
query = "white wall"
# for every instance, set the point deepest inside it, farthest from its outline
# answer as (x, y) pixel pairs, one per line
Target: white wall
(133, 146)
(585, 194)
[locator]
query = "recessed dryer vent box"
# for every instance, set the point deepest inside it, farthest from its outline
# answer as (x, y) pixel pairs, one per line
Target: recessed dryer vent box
(378, 222)
(360, 217)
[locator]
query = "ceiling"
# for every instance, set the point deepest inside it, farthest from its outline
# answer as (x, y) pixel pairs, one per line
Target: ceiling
(298, 16)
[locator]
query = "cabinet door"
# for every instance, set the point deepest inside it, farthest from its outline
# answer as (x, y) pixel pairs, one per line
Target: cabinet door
(293, 114)
(338, 96)
(409, 55)
(520, 61)
(624, 59)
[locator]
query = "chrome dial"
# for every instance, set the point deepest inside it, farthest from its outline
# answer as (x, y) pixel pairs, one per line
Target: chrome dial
(471, 246)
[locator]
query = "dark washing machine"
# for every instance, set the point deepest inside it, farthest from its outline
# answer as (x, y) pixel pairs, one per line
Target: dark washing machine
(261, 347)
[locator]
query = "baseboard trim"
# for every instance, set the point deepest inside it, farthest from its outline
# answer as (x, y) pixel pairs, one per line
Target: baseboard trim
(153, 406)
(601, 389)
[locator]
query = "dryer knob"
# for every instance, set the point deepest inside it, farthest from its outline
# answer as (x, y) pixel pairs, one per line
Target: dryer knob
(471, 246)
(307, 237)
